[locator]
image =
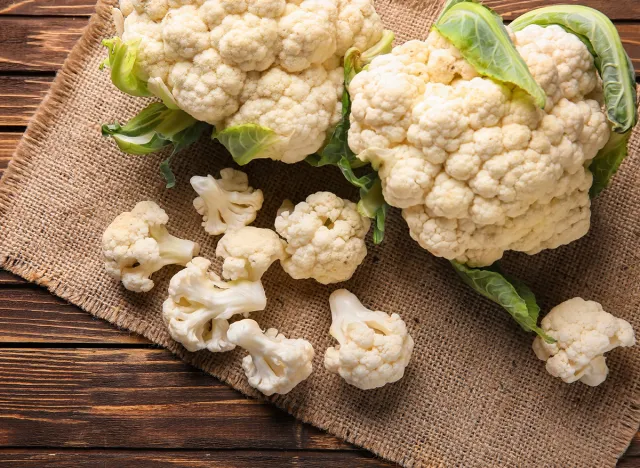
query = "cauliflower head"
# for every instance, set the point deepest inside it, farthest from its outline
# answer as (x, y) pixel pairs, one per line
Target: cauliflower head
(137, 244)
(325, 238)
(273, 63)
(275, 364)
(226, 203)
(200, 304)
(373, 347)
(583, 332)
(476, 166)
(249, 252)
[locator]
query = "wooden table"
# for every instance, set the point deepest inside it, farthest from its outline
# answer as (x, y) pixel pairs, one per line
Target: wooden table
(75, 391)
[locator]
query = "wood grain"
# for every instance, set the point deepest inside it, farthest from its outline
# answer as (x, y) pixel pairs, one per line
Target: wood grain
(135, 398)
(33, 315)
(8, 279)
(198, 459)
(37, 44)
(8, 144)
(614, 9)
(47, 7)
(20, 96)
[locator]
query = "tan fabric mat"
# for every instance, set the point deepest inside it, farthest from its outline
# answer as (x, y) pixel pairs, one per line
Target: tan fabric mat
(474, 394)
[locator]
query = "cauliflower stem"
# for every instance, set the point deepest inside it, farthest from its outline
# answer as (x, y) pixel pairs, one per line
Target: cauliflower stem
(126, 74)
(338, 153)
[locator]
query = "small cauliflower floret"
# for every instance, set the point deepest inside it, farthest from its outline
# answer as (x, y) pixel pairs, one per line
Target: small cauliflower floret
(137, 244)
(275, 364)
(200, 304)
(374, 347)
(226, 203)
(248, 252)
(583, 332)
(476, 166)
(272, 63)
(325, 238)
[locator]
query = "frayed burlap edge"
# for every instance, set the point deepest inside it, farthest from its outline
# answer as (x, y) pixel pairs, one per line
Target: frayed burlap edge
(20, 168)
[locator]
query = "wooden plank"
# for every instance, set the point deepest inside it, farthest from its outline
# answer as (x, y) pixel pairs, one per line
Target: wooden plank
(8, 144)
(20, 96)
(8, 279)
(36, 44)
(616, 10)
(33, 315)
(135, 398)
(197, 459)
(47, 7)
(510, 9)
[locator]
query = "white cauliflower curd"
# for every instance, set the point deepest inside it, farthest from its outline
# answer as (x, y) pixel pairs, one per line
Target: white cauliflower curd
(271, 63)
(226, 203)
(583, 332)
(200, 304)
(476, 166)
(325, 238)
(137, 244)
(373, 347)
(275, 364)
(249, 252)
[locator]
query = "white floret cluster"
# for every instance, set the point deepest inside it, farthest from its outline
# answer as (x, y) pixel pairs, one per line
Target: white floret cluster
(583, 331)
(477, 168)
(274, 63)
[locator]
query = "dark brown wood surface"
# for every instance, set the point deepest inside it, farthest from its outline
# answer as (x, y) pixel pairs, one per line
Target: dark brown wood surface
(78, 392)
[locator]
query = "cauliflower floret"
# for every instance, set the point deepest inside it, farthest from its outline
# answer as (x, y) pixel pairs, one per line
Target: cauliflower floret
(226, 203)
(325, 238)
(583, 332)
(275, 364)
(298, 107)
(374, 347)
(308, 34)
(273, 63)
(358, 25)
(248, 252)
(208, 87)
(200, 304)
(476, 166)
(137, 244)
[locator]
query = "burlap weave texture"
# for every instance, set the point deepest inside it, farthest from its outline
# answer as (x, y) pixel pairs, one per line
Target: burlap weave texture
(474, 394)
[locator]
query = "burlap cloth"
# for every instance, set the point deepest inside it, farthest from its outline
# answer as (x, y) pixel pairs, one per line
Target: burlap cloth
(474, 393)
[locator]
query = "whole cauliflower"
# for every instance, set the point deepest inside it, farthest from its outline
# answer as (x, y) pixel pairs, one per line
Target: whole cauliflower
(200, 304)
(275, 364)
(374, 347)
(226, 203)
(477, 168)
(325, 238)
(274, 63)
(137, 244)
(249, 252)
(583, 332)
